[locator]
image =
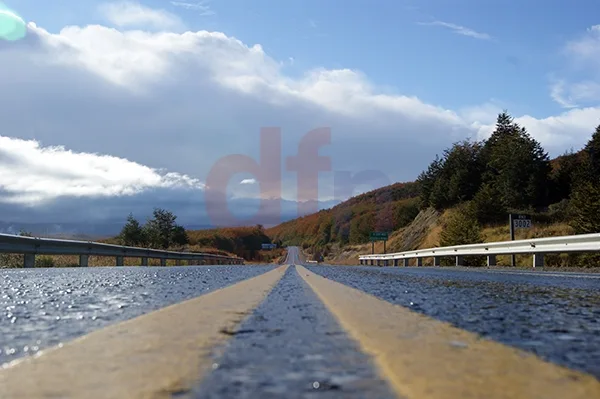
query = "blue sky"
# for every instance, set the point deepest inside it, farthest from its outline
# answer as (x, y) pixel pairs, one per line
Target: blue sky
(149, 95)
(389, 43)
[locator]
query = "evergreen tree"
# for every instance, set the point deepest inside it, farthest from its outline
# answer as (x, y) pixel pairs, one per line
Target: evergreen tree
(454, 178)
(485, 206)
(461, 228)
(564, 176)
(463, 169)
(584, 205)
(132, 233)
(516, 165)
(585, 209)
(592, 148)
(426, 181)
(180, 236)
(161, 231)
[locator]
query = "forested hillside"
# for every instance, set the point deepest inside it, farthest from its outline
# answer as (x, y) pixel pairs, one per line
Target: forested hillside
(483, 181)
(384, 209)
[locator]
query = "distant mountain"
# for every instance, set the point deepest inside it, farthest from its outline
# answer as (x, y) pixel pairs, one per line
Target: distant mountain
(98, 229)
(81, 231)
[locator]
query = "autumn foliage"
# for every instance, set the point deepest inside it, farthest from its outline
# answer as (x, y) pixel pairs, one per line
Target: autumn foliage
(385, 209)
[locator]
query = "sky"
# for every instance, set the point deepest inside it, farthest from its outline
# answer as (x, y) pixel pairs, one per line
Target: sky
(116, 107)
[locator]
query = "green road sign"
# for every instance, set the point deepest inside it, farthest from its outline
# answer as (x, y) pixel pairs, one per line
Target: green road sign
(378, 236)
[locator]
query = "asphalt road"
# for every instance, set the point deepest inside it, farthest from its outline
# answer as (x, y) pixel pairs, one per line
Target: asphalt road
(291, 345)
(555, 317)
(40, 308)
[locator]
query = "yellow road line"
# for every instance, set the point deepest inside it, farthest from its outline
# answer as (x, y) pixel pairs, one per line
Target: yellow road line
(426, 358)
(151, 356)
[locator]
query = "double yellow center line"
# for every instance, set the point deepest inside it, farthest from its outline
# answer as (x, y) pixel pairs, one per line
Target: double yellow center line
(151, 356)
(426, 358)
(170, 350)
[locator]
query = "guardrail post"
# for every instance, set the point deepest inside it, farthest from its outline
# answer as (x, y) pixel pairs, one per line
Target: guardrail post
(491, 260)
(419, 261)
(29, 260)
(83, 260)
(120, 261)
(405, 262)
(395, 262)
(459, 260)
(437, 260)
(163, 261)
(538, 260)
(178, 262)
(144, 261)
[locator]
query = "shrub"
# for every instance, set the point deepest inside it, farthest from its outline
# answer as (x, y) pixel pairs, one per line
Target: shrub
(462, 228)
(44, 261)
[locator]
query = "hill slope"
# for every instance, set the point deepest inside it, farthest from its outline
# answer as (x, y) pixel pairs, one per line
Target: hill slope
(350, 222)
(464, 196)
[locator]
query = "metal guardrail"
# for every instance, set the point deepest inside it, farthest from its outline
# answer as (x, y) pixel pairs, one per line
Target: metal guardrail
(537, 247)
(32, 246)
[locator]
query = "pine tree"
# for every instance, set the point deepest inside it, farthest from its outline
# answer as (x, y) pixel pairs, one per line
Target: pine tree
(132, 233)
(161, 231)
(517, 165)
(592, 150)
(485, 205)
(427, 180)
(585, 209)
(461, 228)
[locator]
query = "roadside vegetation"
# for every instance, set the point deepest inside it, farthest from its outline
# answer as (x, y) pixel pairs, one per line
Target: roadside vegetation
(162, 231)
(465, 196)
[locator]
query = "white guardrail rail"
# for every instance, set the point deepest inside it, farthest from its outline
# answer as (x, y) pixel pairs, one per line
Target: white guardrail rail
(32, 246)
(536, 247)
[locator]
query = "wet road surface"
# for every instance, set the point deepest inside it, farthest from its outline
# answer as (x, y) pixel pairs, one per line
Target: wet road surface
(40, 308)
(291, 345)
(557, 318)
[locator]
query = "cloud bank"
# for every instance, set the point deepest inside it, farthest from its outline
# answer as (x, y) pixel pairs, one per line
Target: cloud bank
(97, 112)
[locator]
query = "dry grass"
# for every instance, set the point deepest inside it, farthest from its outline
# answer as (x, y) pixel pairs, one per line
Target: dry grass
(16, 260)
(502, 233)
(425, 232)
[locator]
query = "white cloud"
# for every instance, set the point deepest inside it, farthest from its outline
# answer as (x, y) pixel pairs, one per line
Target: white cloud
(248, 181)
(580, 85)
(458, 29)
(570, 95)
(129, 14)
(181, 101)
(586, 48)
(31, 173)
(201, 7)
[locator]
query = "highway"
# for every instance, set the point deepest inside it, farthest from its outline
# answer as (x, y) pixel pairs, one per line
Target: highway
(299, 331)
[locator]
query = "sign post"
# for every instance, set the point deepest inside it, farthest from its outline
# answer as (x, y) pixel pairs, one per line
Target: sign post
(517, 221)
(378, 236)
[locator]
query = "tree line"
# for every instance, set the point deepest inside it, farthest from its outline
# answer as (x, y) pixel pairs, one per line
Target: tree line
(511, 172)
(160, 231)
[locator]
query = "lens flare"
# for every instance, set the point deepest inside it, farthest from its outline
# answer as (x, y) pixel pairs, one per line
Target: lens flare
(12, 26)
